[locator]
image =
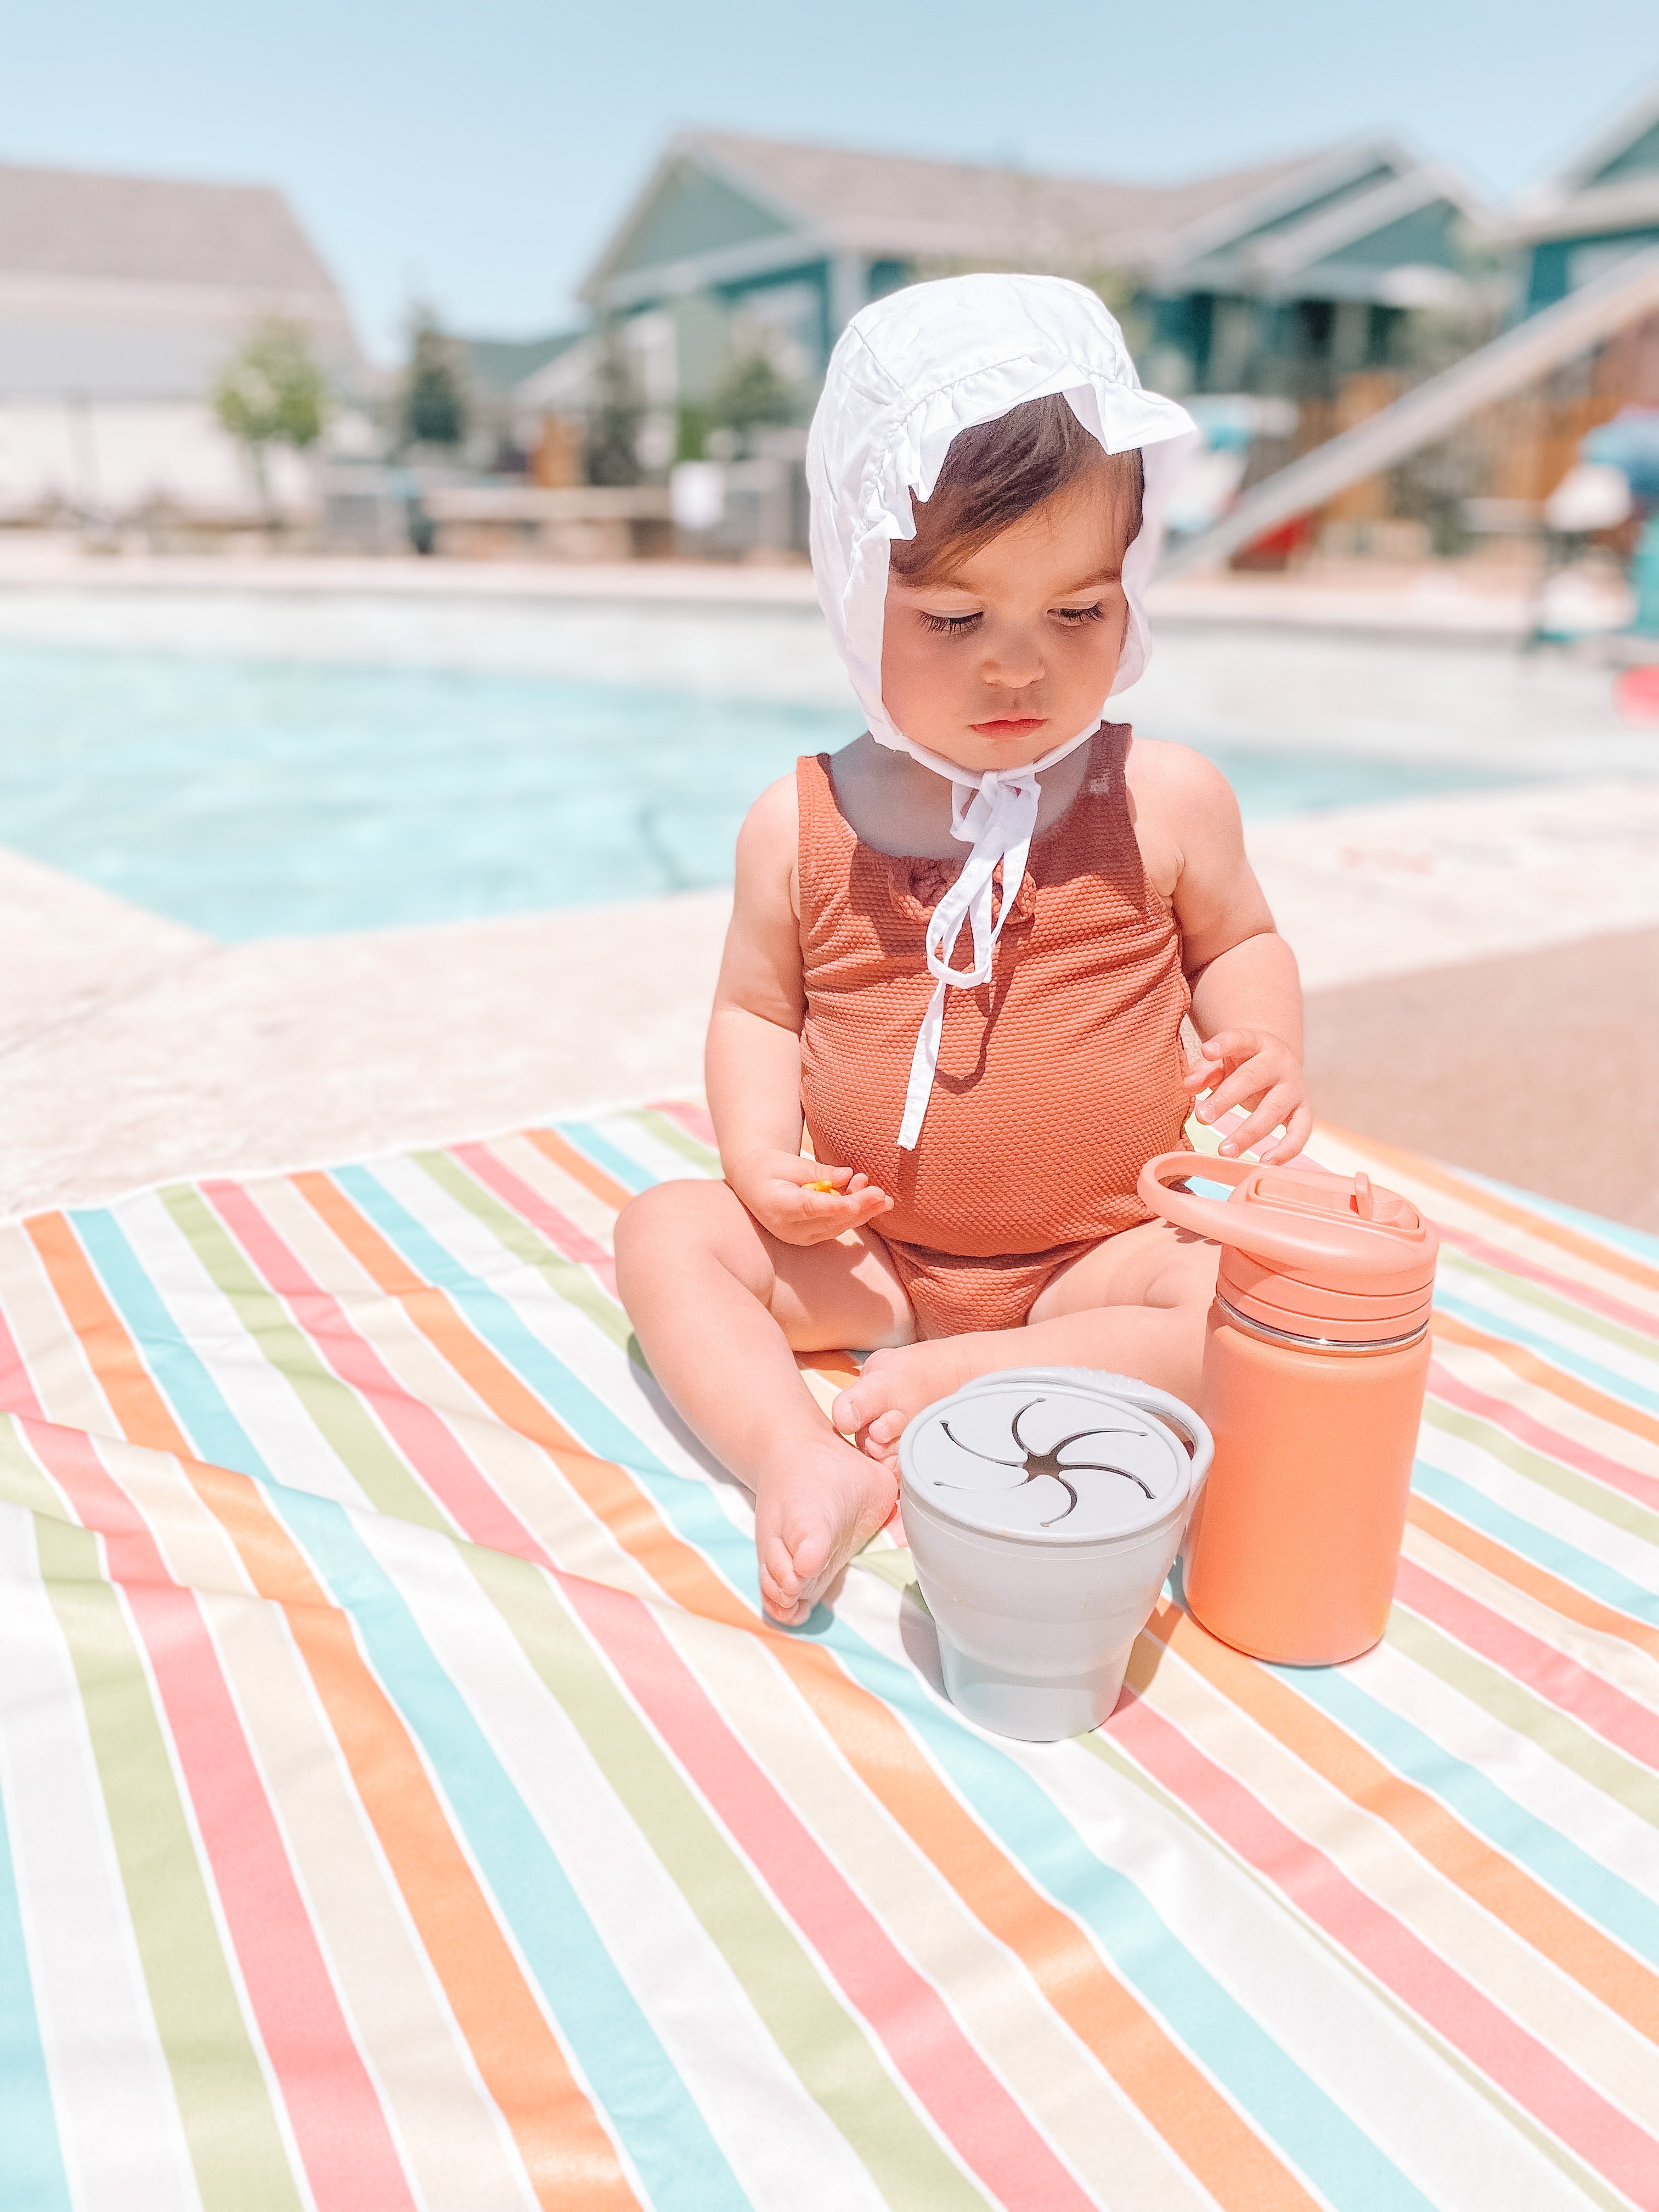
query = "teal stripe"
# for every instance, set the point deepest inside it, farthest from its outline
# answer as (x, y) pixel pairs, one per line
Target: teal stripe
(603, 1154)
(1284, 2101)
(175, 1368)
(639, 2087)
(630, 2074)
(32, 2176)
(1620, 1388)
(668, 1131)
(1552, 1553)
(1639, 1242)
(498, 1321)
(1602, 1895)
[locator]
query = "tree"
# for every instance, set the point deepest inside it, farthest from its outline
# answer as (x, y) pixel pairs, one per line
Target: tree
(272, 392)
(435, 403)
(614, 417)
(754, 393)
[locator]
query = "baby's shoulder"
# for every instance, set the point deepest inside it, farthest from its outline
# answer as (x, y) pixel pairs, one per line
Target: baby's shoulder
(767, 842)
(772, 823)
(1183, 808)
(1176, 779)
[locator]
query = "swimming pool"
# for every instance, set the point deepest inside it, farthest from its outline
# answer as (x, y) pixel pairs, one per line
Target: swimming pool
(253, 797)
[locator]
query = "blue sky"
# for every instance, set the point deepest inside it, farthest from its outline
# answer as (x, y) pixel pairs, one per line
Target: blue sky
(477, 154)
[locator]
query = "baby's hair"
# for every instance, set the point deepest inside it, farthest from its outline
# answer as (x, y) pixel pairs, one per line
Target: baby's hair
(997, 472)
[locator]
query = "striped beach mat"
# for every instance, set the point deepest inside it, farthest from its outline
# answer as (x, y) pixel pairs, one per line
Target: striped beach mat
(406, 1805)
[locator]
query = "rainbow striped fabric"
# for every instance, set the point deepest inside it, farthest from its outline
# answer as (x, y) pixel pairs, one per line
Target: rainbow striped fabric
(405, 1804)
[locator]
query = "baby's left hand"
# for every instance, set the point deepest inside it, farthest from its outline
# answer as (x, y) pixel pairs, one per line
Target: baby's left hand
(1251, 1068)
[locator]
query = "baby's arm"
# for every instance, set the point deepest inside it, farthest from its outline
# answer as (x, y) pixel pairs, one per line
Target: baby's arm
(1247, 997)
(752, 1057)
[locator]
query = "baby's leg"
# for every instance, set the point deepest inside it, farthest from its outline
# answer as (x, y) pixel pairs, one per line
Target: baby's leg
(720, 1308)
(1135, 1304)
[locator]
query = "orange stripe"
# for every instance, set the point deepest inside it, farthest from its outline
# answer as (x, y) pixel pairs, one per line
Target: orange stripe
(1239, 2170)
(1525, 1906)
(1608, 1257)
(827, 1363)
(579, 1167)
(567, 2154)
(1537, 1581)
(1531, 1369)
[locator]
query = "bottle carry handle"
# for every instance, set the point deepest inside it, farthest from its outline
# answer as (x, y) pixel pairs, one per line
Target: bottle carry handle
(1328, 1250)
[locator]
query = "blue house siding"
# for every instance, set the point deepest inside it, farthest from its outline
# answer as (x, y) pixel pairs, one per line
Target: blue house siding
(816, 272)
(1635, 159)
(1428, 236)
(694, 213)
(1551, 278)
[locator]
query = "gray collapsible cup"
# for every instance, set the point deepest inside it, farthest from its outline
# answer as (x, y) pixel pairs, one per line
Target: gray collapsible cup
(1044, 1506)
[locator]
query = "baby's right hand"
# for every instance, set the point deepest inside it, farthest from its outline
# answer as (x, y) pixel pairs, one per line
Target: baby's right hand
(784, 1194)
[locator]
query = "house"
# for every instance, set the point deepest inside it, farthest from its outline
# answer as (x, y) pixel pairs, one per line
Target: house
(1283, 278)
(512, 388)
(1599, 212)
(120, 299)
(1602, 208)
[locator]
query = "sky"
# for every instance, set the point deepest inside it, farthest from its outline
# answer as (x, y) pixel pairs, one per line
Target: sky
(475, 156)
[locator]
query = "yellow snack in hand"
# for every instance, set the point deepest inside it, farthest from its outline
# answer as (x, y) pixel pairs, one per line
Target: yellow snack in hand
(829, 1187)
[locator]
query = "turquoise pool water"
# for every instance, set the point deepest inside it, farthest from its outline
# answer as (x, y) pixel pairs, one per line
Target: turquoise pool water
(254, 798)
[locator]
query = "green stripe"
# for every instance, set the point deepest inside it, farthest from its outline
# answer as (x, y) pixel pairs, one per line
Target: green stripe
(379, 1471)
(569, 1278)
(1101, 1747)
(828, 2047)
(1552, 1303)
(236, 2145)
(1583, 1490)
(668, 1131)
(22, 1482)
(1566, 1741)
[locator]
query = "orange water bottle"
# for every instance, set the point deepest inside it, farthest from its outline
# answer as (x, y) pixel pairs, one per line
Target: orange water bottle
(1315, 1362)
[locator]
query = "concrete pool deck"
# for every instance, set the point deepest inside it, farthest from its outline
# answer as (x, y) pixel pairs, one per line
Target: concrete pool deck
(1480, 967)
(132, 1049)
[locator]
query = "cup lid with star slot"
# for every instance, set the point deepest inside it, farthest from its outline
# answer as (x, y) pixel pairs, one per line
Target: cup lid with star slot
(1054, 1456)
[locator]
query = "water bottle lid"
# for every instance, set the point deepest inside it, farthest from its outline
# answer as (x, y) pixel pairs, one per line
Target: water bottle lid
(1044, 1461)
(1316, 1253)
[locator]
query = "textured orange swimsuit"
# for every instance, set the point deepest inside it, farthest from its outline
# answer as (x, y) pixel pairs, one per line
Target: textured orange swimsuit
(1057, 1081)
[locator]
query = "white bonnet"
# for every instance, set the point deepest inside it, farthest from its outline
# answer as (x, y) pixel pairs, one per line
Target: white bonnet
(913, 369)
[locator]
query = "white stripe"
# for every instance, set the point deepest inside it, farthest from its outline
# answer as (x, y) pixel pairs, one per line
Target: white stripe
(1636, 1559)
(117, 2118)
(1606, 1831)
(781, 2146)
(1382, 2070)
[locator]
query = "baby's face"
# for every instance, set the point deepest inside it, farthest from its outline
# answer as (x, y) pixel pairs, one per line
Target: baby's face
(1014, 654)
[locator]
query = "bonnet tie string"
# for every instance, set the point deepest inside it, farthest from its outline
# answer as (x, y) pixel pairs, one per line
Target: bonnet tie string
(996, 816)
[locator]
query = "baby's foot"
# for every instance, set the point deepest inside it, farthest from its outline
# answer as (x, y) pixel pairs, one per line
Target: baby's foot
(895, 1384)
(813, 1509)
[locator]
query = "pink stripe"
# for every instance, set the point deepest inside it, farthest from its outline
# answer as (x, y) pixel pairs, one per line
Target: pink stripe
(17, 1390)
(1550, 1674)
(691, 1119)
(1454, 1391)
(420, 1434)
(567, 1236)
(1538, 2080)
(342, 2132)
(947, 2072)
(1581, 1294)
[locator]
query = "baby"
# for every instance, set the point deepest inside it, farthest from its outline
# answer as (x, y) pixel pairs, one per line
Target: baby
(978, 1117)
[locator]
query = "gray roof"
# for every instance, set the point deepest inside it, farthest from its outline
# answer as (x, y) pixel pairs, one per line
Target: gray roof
(141, 287)
(73, 222)
(877, 203)
(856, 195)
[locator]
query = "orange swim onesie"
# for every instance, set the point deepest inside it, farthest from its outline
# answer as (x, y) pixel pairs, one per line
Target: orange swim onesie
(1057, 1080)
